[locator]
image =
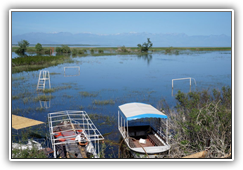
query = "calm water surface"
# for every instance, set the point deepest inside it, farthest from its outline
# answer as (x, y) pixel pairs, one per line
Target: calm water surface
(123, 79)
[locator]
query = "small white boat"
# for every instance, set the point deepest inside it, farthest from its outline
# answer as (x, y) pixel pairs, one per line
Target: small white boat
(142, 139)
(73, 135)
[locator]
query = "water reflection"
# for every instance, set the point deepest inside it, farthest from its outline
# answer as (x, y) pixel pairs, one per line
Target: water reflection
(146, 57)
(45, 101)
(71, 71)
(26, 54)
(45, 104)
(172, 91)
(127, 82)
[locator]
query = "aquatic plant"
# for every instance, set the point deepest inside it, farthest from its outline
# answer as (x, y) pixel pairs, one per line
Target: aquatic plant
(48, 90)
(87, 94)
(43, 98)
(106, 119)
(123, 49)
(103, 102)
(171, 50)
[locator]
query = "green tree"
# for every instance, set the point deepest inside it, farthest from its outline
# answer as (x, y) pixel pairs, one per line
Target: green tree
(63, 49)
(38, 47)
(23, 44)
(145, 47)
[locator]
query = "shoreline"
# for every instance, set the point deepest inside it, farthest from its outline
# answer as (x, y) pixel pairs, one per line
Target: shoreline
(135, 48)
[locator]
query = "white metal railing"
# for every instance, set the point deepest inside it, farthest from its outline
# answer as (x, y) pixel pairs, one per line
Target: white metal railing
(79, 118)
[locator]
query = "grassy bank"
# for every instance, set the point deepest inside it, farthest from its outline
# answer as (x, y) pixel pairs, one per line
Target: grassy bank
(193, 48)
(134, 49)
(32, 63)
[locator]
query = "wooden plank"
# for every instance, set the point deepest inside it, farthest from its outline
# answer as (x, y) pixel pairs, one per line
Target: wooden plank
(19, 122)
(201, 154)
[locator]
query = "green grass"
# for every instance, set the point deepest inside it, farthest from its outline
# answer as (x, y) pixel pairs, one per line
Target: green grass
(43, 98)
(17, 78)
(57, 88)
(87, 94)
(32, 63)
(192, 48)
(103, 102)
(32, 49)
(37, 60)
(48, 90)
(136, 49)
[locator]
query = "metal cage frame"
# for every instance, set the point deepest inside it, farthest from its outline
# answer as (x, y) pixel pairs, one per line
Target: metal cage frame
(79, 118)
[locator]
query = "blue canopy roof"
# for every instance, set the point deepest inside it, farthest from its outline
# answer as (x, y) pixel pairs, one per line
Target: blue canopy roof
(134, 111)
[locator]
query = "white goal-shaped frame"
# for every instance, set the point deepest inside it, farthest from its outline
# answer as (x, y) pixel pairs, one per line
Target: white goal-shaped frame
(72, 67)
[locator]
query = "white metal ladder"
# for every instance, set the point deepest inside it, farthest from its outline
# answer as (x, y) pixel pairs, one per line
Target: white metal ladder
(43, 77)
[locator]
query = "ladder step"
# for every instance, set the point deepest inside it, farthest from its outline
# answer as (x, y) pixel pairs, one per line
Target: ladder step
(40, 87)
(43, 77)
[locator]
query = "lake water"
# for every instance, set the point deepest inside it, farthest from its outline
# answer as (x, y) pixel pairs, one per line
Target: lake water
(122, 79)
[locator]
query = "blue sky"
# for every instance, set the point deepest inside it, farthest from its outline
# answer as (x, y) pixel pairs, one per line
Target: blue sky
(190, 23)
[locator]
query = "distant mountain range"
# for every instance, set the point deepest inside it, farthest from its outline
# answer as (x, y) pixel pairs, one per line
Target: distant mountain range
(126, 39)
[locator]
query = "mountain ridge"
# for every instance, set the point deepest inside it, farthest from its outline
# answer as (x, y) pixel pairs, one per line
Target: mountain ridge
(126, 39)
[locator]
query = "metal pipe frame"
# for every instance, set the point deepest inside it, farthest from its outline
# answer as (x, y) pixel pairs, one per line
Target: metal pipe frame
(71, 67)
(184, 79)
(92, 132)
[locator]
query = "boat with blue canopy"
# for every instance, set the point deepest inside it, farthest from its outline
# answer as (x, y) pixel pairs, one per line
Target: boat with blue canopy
(140, 136)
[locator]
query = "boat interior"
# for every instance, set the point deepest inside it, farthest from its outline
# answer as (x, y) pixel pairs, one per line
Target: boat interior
(144, 136)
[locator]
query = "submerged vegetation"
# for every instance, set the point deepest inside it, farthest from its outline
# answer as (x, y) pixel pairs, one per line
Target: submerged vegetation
(32, 63)
(87, 94)
(103, 102)
(198, 116)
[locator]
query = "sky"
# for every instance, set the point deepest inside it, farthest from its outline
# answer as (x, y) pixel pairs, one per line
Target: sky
(190, 23)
